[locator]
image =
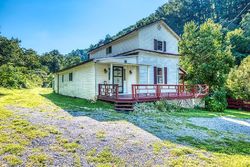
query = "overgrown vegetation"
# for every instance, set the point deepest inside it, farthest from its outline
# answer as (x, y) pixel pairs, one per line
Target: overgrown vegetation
(24, 68)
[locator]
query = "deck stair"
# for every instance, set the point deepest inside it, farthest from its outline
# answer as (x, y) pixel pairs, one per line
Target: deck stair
(124, 105)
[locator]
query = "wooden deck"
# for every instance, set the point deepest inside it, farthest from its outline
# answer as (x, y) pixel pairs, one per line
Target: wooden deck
(150, 93)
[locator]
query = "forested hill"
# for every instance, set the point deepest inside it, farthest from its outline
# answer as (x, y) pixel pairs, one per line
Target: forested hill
(178, 12)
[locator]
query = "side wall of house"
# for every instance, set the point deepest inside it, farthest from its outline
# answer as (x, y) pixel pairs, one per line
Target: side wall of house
(124, 45)
(160, 61)
(159, 32)
(83, 84)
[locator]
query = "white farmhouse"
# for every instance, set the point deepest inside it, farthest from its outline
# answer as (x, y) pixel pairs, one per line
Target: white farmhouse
(142, 65)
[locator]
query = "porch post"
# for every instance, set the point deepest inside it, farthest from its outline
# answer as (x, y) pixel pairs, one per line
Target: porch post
(148, 68)
(111, 74)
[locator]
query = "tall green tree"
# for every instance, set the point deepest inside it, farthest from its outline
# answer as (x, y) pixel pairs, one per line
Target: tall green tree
(240, 39)
(205, 56)
(10, 51)
(240, 44)
(238, 82)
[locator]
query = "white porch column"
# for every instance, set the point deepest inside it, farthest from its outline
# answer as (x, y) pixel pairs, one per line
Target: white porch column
(111, 74)
(148, 72)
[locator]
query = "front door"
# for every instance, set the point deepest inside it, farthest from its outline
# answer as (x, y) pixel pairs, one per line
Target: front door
(118, 77)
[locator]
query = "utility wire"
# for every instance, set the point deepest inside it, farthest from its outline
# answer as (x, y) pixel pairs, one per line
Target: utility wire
(239, 13)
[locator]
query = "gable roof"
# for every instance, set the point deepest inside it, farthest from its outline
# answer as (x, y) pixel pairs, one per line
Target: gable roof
(137, 29)
(76, 65)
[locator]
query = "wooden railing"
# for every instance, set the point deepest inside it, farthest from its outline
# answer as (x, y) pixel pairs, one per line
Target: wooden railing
(238, 104)
(153, 91)
(108, 90)
(159, 91)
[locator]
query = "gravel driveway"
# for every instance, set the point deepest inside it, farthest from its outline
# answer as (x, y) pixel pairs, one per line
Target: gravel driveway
(224, 124)
(130, 138)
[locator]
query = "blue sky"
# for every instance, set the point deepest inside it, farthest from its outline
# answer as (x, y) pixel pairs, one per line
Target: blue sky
(69, 24)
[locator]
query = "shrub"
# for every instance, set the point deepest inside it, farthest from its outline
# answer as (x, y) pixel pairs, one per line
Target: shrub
(18, 77)
(145, 107)
(165, 106)
(161, 105)
(217, 101)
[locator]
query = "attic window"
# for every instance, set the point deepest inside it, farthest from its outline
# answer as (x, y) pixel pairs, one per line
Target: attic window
(109, 50)
(159, 45)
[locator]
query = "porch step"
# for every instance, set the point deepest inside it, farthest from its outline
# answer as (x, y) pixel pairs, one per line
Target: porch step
(124, 105)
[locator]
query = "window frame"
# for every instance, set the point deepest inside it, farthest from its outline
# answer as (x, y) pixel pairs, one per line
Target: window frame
(109, 50)
(159, 76)
(160, 45)
(71, 76)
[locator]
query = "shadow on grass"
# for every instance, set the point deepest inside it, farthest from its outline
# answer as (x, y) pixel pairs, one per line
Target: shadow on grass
(2, 94)
(160, 124)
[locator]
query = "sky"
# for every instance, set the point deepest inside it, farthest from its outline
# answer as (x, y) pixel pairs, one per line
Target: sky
(44, 25)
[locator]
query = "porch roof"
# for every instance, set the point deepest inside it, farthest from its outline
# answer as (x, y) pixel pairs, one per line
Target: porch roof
(123, 60)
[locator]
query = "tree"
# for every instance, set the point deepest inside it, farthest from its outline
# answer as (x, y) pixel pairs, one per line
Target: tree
(53, 60)
(240, 39)
(205, 56)
(245, 24)
(10, 51)
(31, 59)
(240, 44)
(238, 82)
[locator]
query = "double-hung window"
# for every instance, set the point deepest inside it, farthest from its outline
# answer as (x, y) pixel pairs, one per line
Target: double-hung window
(71, 76)
(109, 50)
(160, 45)
(159, 76)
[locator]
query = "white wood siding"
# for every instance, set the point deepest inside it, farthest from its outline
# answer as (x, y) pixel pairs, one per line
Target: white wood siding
(101, 76)
(129, 43)
(151, 32)
(130, 78)
(171, 62)
(83, 84)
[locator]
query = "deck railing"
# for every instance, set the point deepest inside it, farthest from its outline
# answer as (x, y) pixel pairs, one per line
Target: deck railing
(159, 91)
(108, 90)
(154, 91)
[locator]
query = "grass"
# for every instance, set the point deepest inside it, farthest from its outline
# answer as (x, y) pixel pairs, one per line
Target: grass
(66, 102)
(202, 113)
(38, 159)
(101, 135)
(12, 160)
(104, 158)
(16, 134)
(225, 145)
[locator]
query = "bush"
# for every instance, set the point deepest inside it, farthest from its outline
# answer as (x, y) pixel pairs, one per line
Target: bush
(162, 106)
(217, 101)
(145, 107)
(166, 106)
(18, 77)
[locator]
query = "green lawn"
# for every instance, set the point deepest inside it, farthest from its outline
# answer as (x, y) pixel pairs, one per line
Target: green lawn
(16, 134)
(203, 113)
